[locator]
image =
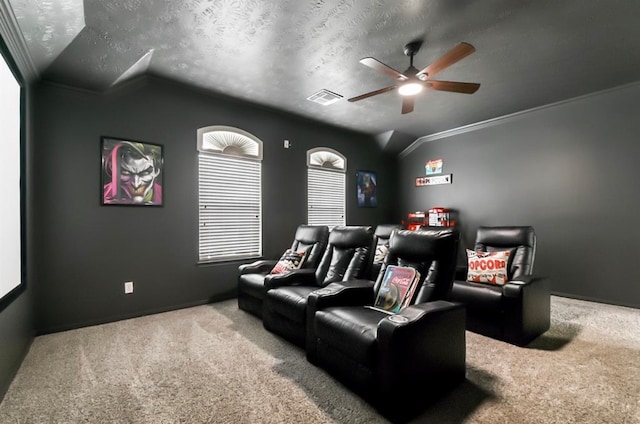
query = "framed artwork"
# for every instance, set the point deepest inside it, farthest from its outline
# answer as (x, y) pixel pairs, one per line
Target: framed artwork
(366, 185)
(433, 167)
(132, 173)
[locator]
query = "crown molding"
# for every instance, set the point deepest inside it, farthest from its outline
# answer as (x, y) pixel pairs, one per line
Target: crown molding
(504, 119)
(12, 36)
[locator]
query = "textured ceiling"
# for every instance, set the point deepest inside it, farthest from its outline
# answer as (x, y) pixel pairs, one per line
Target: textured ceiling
(279, 52)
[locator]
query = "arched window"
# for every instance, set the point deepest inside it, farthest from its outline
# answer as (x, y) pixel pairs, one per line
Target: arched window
(326, 187)
(230, 194)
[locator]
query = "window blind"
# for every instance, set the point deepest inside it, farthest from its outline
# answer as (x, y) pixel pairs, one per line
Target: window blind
(230, 212)
(325, 197)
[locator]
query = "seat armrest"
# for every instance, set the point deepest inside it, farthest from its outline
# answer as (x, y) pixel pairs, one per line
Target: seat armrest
(257, 267)
(514, 288)
(414, 315)
(344, 293)
(526, 308)
(300, 277)
(424, 342)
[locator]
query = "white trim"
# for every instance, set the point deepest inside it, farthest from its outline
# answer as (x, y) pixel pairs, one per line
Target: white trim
(222, 128)
(13, 38)
(503, 119)
(329, 151)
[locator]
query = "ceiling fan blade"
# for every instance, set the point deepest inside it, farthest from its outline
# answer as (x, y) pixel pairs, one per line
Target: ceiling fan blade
(381, 67)
(373, 93)
(459, 52)
(456, 87)
(407, 104)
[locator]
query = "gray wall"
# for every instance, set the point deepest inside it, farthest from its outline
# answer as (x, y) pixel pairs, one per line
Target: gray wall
(85, 251)
(570, 170)
(16, 334)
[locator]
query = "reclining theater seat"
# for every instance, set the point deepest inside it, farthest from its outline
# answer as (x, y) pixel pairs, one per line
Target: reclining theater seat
(518, 311)
(348, 256)
(403, 359)
(309, 238)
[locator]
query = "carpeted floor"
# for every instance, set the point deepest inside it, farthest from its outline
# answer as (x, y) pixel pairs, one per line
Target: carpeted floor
(216, 364)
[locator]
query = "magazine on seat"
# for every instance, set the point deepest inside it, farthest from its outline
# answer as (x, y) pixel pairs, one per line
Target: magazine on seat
(397, 288)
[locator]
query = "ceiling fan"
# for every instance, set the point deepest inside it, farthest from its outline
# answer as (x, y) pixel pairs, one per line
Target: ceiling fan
(412, 81)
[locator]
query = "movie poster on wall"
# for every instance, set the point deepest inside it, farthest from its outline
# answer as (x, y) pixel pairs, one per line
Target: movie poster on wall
(132, 173)
(366, 188)
(433, 167)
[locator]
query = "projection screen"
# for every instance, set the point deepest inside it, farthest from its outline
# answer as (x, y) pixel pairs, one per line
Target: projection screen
(10, 250)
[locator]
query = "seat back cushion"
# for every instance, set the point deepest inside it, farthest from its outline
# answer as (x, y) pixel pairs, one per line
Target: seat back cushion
(519, 240)
(432, 252)
(348, 255)
(311, 239)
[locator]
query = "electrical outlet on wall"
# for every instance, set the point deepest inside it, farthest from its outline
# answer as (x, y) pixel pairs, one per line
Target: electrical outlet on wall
(128, 287)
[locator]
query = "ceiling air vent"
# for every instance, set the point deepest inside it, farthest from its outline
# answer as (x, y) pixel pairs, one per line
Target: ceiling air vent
(324, 97)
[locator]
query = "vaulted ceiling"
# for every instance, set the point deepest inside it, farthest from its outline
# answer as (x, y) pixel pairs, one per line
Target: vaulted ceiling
(279, 52)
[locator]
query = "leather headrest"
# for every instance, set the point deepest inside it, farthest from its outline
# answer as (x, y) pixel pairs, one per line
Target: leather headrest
(506, 236)
(348, 236)
(383, 231)
(310, 234)
(416, 245)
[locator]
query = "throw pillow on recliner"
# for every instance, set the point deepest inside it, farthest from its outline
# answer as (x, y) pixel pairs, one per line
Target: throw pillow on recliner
(488, 267)
(381, 253)
(289, 260)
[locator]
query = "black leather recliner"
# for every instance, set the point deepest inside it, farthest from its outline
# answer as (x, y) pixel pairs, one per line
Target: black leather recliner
(518, 311)
(251, 291)
(348, 256)
(385, 357)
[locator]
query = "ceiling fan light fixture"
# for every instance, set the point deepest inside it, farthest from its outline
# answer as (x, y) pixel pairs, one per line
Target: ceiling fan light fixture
(413, 81)
(410, 89)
